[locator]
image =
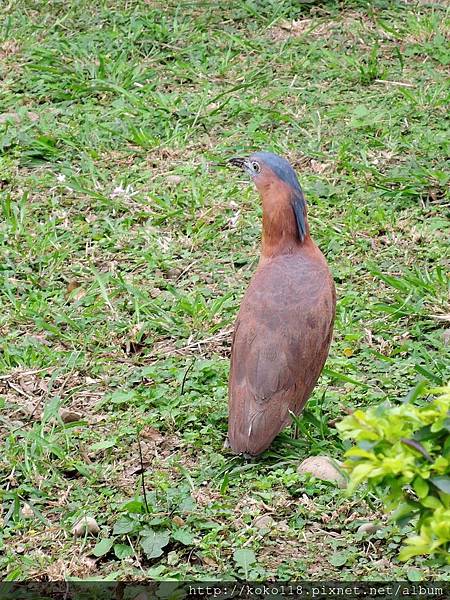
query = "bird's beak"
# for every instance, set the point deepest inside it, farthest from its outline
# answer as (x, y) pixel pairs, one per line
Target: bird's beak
(238, 162)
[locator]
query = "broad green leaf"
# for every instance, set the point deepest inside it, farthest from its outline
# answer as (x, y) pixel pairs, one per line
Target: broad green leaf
(360, 472)
(243, 558)
(442, 483)
(343, 377)
(155, 572)
(404, 510)
(431, 502)
(184, 536)
(134, 507)
(187, 505)
(122, 551)
(157, 521)
(414, 575)
(411, 447)
(82, 469)
(122, 397)
(103, 547)
(103, 445)
(154, 543)
(421, 487)
(124, 525)
(338, 559)
(416, 392)
(51, 408)
(360, 453)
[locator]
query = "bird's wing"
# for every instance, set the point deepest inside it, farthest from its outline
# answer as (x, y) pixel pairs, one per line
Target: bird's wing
(280, 344)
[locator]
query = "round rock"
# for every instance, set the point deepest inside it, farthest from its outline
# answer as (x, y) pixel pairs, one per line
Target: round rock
(323, 467)
(85, 525)
(368, 528)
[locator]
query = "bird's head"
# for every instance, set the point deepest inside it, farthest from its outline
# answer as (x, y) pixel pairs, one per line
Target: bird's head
(269, 172)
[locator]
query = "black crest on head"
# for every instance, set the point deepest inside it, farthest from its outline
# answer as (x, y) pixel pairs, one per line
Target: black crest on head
(286, 173)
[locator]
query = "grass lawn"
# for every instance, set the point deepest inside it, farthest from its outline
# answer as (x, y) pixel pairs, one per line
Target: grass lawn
(125, 251)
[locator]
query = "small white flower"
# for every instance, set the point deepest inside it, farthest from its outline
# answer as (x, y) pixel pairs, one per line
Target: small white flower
(60, 178)
(117, 191)
(121, 192)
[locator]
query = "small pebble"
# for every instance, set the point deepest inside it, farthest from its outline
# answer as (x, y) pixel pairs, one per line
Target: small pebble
(173, 273)
(368, 528)
(85, 525)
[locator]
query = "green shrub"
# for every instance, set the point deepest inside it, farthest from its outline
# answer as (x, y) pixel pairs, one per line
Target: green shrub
(403, 453)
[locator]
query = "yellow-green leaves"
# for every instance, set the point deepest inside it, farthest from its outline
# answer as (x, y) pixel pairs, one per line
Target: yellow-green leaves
(433, 539)
(405, 449)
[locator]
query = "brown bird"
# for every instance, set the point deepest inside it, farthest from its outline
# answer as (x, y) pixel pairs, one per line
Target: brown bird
(285, 323)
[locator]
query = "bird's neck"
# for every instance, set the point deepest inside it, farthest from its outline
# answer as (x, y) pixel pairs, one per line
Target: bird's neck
(280, 232)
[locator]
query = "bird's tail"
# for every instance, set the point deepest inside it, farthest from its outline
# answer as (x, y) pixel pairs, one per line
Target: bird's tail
(253, 425)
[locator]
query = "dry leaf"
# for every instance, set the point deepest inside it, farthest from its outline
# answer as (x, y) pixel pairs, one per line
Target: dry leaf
(28, 384)
(318, 167)
(68, 416)
(72, 285)
(136, 343)
(74, 291)
(209, 561)
(233, 221)
(263, 522)
(151, 434)
(137, 469)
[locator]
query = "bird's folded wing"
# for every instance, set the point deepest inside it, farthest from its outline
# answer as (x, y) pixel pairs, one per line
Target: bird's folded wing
(264, 361)
(263, 385)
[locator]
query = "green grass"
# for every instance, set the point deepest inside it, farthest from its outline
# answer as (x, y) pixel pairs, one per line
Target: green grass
(124, 258)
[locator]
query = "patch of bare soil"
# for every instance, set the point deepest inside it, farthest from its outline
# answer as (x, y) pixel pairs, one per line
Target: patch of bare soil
(9, 48)
(27, 392)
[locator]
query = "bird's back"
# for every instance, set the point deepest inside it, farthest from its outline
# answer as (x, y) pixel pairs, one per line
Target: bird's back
(280, 344)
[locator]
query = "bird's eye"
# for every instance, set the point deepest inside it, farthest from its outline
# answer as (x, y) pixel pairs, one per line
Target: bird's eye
(256, 167)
